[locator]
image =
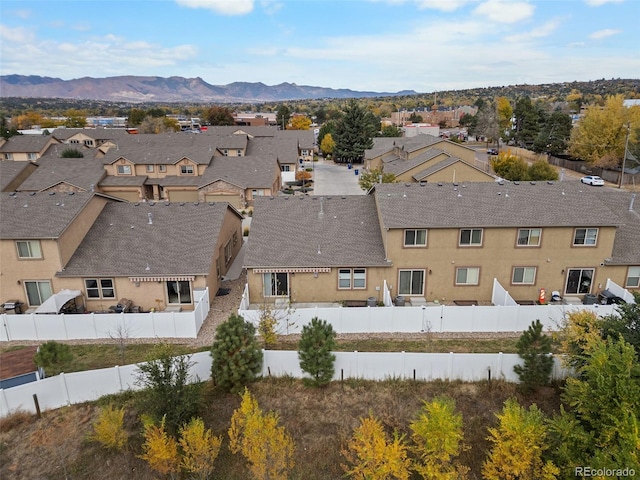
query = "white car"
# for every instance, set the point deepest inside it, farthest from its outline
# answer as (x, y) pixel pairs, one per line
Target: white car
(592, 180)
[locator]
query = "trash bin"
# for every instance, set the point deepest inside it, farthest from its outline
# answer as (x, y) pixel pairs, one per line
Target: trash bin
(372, 301)
(590, 299)
(356, 171)
(399, 301)
(349, 166)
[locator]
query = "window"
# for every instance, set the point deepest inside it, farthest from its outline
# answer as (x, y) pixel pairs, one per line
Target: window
(257, 193)
(99, 288)
(529, 237)
(524, 276)
(355, 278)
(415, 238)
(275, 284)
(88, 143)
(37, 291)
(633, 277)
(470, 236)
(32, 156)
(467, 276)
(178, 291)
(8, 156)
(411, 282)
(579, 280)
(285, 168)
(29, 249)
(124, 169)
(304, 153)
(228, 252)
(74, 142)
(162, 168)
(149, 168)
(585, 236)
(239, 152)
(186, 169)
(225, 152)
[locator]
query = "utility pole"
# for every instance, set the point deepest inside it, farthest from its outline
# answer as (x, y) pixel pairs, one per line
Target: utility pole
(624, 159)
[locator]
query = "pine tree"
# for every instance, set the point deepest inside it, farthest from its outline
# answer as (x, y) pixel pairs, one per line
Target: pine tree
(437, 436)
(317, 341)
(237, 358)
(354, 134)
(534, 348)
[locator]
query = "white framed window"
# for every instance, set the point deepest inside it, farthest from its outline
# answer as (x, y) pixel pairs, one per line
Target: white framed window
(99, 288)
(162, 168)
(633, 277)
(467, 275)
(579, 280)
(225, 152)
(470, 237)
(8, 156)
(228, 252)
(186, 169)
(411, 282)
(524, 276)
(37, 291)
(257, 192)
(285, 168)
(415, 238)
(124, 169)
(275, 284)
(88, 143)
(29, 249)
(74, 142)
(304, 153)
(352, 278)
(178, 291)
(32, 156)
(585, 237)
(529, 237)
(239, 152)
(149, 168)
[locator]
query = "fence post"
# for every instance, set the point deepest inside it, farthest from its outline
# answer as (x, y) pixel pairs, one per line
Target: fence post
(500, 364)
(65, 388)
(355, 361)
(404, 365)
(6, 327)
(116, 370)
(3, 400)
(450, 368)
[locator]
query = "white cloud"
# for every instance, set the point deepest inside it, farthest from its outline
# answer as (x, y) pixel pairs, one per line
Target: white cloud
(501, 11)
(597, 3)
(442, 5)
(542, 31)
(16, 35)
(607, 32)
(224, 7)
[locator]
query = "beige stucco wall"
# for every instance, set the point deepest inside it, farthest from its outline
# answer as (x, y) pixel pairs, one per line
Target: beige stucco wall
(75, 233)
(181, 194)
(21, 177)
(130, 194)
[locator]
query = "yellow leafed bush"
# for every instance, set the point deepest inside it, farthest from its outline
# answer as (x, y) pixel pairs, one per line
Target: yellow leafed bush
(108, 429)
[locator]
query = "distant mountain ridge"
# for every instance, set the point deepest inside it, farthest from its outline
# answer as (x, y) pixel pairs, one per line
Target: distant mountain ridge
(138, 89)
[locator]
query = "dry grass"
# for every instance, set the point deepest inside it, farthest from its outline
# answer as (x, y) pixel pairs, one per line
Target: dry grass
(320, 421)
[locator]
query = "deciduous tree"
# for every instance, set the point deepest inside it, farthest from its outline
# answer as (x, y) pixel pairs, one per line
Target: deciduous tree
(237, 358)
(75, 118)
(218, 116)
(160, 450)
(300, 122)
(504, 113)
(437, 440)
(282, 116)
(257, 436)
(369, 179)
(371, 454)
(327, 145)
(108, 429)
(518, 444)
(315, 347)
(200, 449)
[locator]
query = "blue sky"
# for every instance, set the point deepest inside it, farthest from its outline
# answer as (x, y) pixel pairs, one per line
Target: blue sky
(377, 45)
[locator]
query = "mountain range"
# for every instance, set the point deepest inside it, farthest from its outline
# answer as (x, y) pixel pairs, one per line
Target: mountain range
(138, 89)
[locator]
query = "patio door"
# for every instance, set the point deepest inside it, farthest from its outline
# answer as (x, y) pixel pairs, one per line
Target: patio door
(579, 281)
(411, 282)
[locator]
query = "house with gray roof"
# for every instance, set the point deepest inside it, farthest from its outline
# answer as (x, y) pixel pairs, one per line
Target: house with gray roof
(13, 174)
(446, 242)
(26, 147)
(56, 174)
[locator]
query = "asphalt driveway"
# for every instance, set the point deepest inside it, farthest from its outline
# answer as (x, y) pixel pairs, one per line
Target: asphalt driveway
(335, 179)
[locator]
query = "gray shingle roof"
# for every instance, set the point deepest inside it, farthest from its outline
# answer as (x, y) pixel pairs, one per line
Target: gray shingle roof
(444, 164)
(39, 215)
(180, 241)
(489, 204)
(626, 248)
(245, 172)
(398, 165)
(25, 144)
(290, 231)
(79, 172)
(9, 170)
(123, 181)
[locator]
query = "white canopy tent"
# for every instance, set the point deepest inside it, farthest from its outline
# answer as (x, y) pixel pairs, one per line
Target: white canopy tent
(55, 302)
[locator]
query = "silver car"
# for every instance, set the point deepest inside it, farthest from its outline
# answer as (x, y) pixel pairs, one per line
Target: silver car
(592, 180)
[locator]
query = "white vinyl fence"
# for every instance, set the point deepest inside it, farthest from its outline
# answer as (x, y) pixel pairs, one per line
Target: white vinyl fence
(72, 388)
(436, 319)
(31, 326)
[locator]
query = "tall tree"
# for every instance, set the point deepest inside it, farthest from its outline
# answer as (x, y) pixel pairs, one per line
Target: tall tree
(600, 136)
(300, 122)
(554, 134)
(487, 123)
(504, 113)
(534, 348)
(527, 125)
(283, 115)
(327, 144)
(315, 347)
(219, 116)
(237, 358)
(354, 133)
(328, 127)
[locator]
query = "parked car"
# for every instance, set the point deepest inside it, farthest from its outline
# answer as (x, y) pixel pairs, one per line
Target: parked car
(592, 180)
(492, 151)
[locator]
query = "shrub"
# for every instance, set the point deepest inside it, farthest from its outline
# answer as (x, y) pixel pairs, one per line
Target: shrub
(317, 341)
(108, 429)
(160, 450)
(199, 447)
(71, 153)
(245, 232)
(237, 359)
(52, 355)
